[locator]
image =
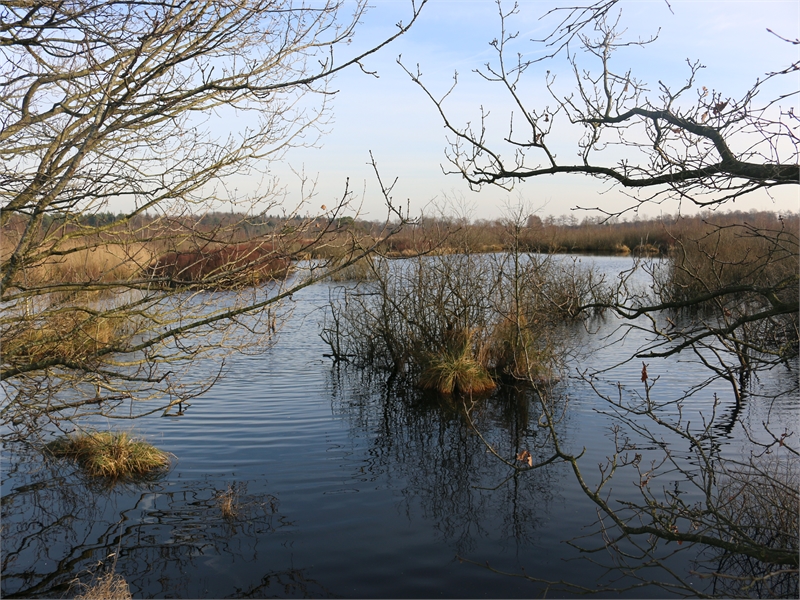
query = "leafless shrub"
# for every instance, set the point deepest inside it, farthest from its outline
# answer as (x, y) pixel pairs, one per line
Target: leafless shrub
(498, 313)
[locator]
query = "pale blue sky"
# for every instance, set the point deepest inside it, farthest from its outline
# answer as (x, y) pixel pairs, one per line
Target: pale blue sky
(391, 117)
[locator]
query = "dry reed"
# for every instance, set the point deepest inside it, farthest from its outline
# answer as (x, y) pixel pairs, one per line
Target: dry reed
(456, 370)
(362, 269)
(70, 334)
(110, 586)
(103, 264)
(228, 502)
(110, 455)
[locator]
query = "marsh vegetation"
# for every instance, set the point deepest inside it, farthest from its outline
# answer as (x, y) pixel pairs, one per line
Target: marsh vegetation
(488, 382)
(112, 455)
(454, 318)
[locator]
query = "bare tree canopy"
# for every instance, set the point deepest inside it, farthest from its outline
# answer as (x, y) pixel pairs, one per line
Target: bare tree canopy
(655, 140)
(726, 298)
(161, 108)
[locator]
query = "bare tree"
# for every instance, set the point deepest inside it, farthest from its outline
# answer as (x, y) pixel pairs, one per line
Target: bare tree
(689, 143)
(728, 298)
(163, 108)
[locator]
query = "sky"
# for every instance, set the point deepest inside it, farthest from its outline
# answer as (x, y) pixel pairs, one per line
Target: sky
(392, 118)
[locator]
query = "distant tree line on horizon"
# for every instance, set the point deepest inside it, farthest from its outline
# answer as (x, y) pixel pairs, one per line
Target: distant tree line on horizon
(565, 233)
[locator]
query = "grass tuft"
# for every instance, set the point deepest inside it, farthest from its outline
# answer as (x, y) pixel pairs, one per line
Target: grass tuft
(228, 502)
(455, 370)
(110, 455)
(110, 586)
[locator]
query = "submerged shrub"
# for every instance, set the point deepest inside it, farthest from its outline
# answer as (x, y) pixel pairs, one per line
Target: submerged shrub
(515, 351)
(110, 455)
(457, 321)
(760, 500)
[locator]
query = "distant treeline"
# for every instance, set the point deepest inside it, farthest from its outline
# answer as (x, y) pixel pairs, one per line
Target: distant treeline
(591, 235)
(534, 233)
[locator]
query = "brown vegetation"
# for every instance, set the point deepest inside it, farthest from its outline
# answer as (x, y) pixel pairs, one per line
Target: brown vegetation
(592, 235)
(110, 586)
(228, 266)
(228, 502)
(460, 322)
(101, 261)
(70, 335)
(110, 455)
(714, 255)
(455, 369)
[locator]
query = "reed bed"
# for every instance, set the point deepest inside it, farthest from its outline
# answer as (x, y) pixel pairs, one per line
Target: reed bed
(362, 269)
(68, 334)
(103, 263)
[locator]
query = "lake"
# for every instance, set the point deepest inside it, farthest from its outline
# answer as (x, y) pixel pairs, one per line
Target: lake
(349, 485)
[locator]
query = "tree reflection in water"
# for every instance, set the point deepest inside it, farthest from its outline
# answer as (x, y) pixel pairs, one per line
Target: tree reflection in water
(427, 440)
(59, 526)
(423, 474)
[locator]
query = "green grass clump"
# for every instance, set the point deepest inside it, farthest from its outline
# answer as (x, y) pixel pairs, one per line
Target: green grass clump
(455, 370)
(110, 455)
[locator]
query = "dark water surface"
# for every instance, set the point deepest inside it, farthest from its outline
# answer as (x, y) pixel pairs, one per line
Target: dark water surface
(347, 487)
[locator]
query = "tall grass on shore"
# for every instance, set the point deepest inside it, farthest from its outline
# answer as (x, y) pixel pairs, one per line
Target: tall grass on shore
(102, 262)
(361, 270)
(68, 334)
(591, 235)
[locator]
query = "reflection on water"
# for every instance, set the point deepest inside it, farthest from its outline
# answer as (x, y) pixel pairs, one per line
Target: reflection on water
(451, 479)
(163, 536)
(347, 485)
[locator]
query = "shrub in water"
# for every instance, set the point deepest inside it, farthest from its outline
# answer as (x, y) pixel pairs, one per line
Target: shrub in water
(515, 313)
(516, 350)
